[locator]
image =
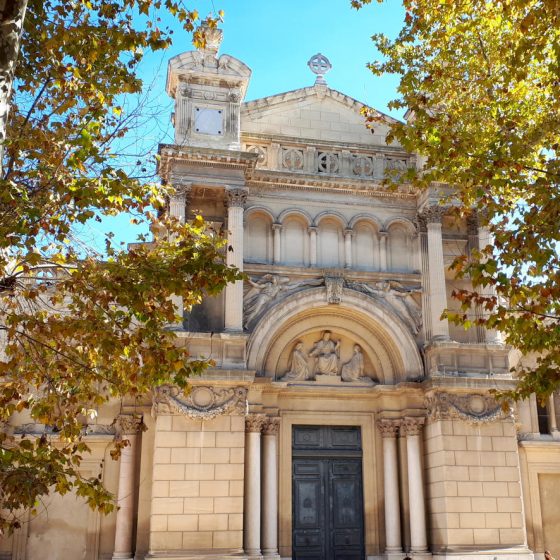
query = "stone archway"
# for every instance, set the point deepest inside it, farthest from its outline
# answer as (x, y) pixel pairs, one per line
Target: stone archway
(387, 343)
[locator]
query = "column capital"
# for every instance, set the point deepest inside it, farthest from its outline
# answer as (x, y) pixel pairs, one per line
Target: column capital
(433, 214)
(128, 424)
(349, 231)
(254, 423)
(412, 425)
(312, 229)
(236, 197)
(389, 428)
(182, 187)
(271, 426)
(277, 227)
(382, 234)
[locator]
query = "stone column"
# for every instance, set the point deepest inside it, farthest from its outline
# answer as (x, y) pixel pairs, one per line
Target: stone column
(312, 245)
(389, 429)
(127, 428)
(178, 203)
(252, 494)
(383, 250)
(552, 416)
(348, 248)
(235, 198)
(270, 489)
(277, 232)
(436, 267)
(484, 239)
(412, 427)
(179, 200)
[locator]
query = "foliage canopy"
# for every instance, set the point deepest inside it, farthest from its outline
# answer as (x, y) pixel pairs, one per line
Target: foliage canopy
(78, 329)
(481, 82)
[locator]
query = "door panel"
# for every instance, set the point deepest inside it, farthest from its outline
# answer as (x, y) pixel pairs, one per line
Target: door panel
(328, 521)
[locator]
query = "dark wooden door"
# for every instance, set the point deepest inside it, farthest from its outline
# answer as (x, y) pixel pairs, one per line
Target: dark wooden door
(328, 518)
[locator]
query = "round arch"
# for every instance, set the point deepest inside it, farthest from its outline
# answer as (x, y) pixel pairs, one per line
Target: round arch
(365, 218)
(289, 212)
(331, 214)
(405, 222)
(258, 210)
(385, 340)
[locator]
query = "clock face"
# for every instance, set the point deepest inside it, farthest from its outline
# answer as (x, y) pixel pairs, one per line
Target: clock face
(208, 121)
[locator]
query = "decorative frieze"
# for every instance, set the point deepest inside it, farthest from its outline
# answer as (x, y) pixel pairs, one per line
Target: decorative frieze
(202, 403)
(474, 408)
(389, 428)
(254, 423)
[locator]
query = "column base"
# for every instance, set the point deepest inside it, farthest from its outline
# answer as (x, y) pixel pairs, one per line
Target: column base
(273, 554)
(201, 555)
(122, 556)
(395, 554)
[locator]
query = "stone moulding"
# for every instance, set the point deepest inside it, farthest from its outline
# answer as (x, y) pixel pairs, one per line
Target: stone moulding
(202, 403)
(474, 408)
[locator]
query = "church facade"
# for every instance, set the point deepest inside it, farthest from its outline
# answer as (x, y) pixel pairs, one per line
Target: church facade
(343, 419)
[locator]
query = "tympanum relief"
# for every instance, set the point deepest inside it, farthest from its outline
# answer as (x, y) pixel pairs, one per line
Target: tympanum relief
(322, 363)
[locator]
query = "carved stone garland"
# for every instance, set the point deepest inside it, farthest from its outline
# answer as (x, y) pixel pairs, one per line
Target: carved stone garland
(202, 403)
(473, 408)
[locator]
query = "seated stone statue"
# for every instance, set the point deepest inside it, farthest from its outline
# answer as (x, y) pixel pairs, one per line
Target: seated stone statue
(354, 369)
(299, 370)
(325, 352)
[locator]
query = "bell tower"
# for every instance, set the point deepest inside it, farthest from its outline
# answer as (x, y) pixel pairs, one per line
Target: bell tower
(208, 90)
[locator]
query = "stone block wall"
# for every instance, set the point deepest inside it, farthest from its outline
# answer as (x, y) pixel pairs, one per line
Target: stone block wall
(197, 496)
(474, 487)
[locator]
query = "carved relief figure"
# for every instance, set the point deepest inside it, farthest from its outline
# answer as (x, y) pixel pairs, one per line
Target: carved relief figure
(398, 297)
(299, 369)
(265, 290)
(326, 353)
(268, 288)
(354, 369)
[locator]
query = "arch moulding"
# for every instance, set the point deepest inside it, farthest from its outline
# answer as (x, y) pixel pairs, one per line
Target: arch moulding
(385, 340)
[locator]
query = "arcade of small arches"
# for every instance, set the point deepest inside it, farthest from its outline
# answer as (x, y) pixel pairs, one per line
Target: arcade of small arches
(295, 238)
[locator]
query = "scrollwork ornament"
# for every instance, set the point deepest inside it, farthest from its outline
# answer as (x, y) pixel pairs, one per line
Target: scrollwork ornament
(271, 426)
(236, 197)
(389, 428)
(254, 423)
(474, 408)
(202, 403)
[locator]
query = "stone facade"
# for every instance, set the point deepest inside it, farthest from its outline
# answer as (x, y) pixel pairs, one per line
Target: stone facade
(337, 328)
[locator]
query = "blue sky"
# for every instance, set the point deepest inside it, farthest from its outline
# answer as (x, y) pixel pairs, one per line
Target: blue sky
(275, 38)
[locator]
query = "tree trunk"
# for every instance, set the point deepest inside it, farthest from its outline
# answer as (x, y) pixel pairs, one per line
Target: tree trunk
(12, 13)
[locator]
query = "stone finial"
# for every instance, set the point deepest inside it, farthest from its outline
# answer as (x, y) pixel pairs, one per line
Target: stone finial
(412, 425)
(271, 426)
(254, 423)
(320, 65)
(388, 428)
(213, 37)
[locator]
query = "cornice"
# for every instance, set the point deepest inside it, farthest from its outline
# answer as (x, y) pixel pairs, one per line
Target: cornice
(211, 157)
(264, 180)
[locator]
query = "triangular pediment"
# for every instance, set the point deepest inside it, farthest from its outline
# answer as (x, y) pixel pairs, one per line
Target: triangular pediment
(314, 113)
